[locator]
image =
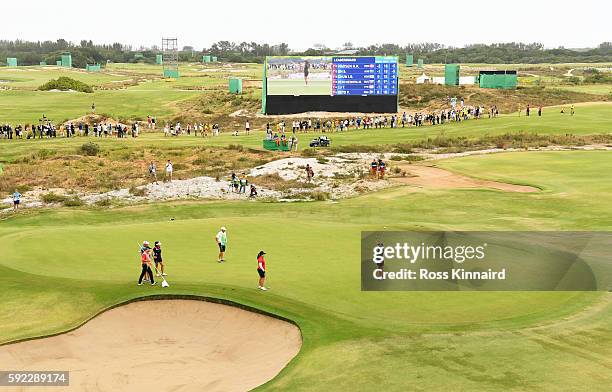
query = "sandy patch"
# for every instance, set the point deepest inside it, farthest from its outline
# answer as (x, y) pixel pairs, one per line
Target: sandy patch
(193, 188)
(436, 178)
(166, 345)
(240, 113)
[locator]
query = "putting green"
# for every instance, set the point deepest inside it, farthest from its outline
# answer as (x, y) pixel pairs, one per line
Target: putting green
(61, 266)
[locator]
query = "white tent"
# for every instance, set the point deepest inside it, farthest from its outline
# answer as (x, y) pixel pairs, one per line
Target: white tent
(423, 79)
(466, 80)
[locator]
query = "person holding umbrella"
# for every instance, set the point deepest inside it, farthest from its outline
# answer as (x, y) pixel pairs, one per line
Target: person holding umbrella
(261, 270)
(145, 259)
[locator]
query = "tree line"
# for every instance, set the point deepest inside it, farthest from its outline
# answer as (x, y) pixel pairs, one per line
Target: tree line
(86, 52)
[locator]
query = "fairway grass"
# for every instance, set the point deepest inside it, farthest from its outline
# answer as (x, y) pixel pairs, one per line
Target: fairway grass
(61, 266)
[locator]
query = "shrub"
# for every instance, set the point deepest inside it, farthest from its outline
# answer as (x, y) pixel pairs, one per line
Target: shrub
(90, 149)
(43, 154)
(64, 83)
(73, 202)
(309, 152)
(103, 202)
(53, 198)
(409, 158)
(237, 147)
(200, 161)
(138, 191)
(403, 148)
(319, 196)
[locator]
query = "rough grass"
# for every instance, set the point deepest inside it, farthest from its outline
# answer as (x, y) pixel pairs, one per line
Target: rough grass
(427, 97)
(276, 182)
(123, 167)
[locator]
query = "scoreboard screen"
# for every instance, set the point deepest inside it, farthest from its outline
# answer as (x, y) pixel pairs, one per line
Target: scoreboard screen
(364, 75)
(331, 75)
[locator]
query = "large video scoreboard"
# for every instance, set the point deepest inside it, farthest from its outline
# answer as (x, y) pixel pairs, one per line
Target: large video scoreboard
(366, 84)
(364, 76)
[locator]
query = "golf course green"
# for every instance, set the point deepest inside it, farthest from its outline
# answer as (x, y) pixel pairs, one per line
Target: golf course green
(61, 266)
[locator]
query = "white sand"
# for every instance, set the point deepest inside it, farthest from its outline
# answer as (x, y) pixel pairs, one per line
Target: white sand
(165, 345)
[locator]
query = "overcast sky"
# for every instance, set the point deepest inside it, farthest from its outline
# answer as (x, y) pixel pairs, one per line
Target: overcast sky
(572, 24)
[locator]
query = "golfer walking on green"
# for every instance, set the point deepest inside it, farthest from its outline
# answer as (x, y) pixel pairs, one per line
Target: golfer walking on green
(221, 239)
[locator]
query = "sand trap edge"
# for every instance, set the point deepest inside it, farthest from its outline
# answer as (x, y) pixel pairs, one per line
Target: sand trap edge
(155, 297)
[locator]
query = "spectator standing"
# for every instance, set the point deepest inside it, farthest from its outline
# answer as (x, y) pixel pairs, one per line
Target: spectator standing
(16, 200)
(153, 171)
(169, 171)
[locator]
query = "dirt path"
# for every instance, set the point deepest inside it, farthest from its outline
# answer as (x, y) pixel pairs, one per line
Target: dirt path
(430, 177)
(166, 345)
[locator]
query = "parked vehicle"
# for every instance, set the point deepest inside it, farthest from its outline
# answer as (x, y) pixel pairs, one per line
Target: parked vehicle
(321, 141)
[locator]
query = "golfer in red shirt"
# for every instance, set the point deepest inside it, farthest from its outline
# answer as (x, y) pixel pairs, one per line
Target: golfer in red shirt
(145, 259)
(261, 270)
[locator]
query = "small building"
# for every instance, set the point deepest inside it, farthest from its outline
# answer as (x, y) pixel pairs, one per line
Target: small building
(235, 86)
(66, 60)
(410, 60)
(159, 59)
(11, 62)
(206, 59)
(451, 74)
(43, 63)
(420, 63)
(92, 67)
(171, 73)
(498, 79)
(214, 59)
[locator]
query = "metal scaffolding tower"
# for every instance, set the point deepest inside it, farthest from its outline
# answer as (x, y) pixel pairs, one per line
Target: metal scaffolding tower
(170, 57)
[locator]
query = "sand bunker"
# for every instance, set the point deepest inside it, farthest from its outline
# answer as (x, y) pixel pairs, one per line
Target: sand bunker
(436, 178)
(165, 345)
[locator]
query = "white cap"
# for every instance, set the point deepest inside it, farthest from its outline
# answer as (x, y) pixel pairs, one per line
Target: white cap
(223, 228)
(145, 242)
